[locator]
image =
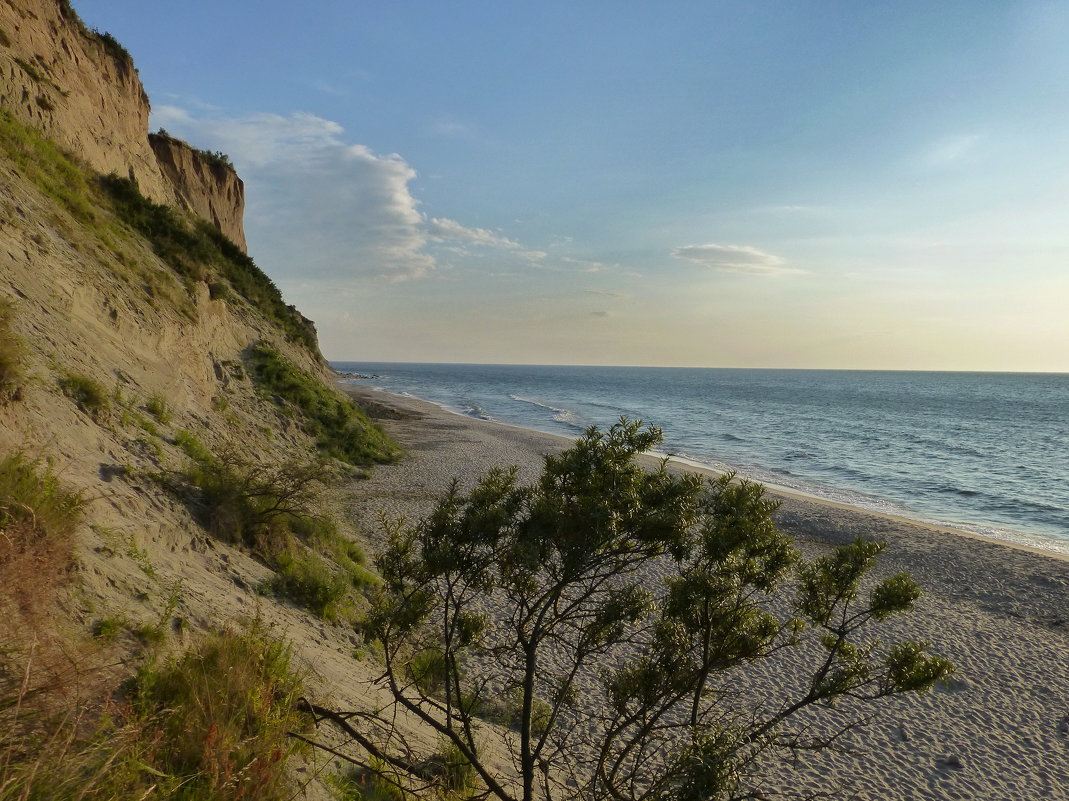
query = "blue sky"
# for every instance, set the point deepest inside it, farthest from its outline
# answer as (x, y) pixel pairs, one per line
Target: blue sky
(759, 184)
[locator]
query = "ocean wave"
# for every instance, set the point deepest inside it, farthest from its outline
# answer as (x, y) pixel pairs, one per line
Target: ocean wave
(476, 411)
(565, 416)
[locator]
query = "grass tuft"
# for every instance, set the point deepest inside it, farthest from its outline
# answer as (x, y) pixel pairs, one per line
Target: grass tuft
(87, 392)
(38, 517)
(159, 408)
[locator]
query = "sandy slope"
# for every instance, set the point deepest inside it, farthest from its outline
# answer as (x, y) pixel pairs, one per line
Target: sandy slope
(1000, 730)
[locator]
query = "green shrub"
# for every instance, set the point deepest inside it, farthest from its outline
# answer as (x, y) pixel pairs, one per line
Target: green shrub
(159, 408)
(87, 392)
(458, 774)
(11, 352)
(109, 627)
(341, 429)
(308, 580)
(193, 447)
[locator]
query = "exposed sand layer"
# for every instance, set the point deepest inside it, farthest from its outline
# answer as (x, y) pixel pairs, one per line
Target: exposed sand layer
(999, 730)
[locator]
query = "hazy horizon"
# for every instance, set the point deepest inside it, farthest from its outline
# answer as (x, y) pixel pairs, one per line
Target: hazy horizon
(814, 185)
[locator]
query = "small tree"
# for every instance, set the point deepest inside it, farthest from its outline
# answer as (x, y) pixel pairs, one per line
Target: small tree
(623, 687)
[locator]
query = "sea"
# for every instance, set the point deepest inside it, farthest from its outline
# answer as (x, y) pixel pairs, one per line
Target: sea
(986, 453)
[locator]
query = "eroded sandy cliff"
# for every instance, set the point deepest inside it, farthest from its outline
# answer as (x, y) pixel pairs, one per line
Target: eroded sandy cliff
(80, 89)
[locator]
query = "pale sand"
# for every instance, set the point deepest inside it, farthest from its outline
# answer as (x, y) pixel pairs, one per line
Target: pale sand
(1000, 730)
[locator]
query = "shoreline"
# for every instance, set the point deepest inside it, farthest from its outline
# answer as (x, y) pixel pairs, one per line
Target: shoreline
(1028, 542)
(999, 729)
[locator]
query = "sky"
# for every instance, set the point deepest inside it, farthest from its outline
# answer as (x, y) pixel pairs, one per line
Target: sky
(809, 184)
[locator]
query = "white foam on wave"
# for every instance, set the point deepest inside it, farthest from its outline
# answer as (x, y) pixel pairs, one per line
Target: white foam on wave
(566, 416)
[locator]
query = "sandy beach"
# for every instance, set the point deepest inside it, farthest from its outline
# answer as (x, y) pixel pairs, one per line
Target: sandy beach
(998, 730)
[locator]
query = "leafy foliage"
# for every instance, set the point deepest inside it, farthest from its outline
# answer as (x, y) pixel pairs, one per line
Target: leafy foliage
(341, 428)
(654, 675)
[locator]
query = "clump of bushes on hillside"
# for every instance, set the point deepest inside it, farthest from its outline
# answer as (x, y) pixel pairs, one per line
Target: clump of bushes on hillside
(269, 509)
(85, 391)
(341, 429)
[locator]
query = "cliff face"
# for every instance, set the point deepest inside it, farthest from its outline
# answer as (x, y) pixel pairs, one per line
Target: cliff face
(207, 186)
(80, 89)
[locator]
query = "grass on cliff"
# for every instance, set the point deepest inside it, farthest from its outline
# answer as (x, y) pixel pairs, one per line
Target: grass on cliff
(41, 162)
(38, 516)
(211, 724)
(341, 429)
(194, 249)
(199, 252)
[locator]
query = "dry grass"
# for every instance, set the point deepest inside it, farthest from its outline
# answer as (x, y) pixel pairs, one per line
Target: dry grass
(209, 725)
(11, 352)
(38, 517)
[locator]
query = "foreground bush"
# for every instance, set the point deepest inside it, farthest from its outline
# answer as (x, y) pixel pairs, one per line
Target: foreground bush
(656, 674)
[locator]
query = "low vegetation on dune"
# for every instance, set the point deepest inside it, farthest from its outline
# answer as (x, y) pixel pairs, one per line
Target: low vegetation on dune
(272, 510)
(339, 426)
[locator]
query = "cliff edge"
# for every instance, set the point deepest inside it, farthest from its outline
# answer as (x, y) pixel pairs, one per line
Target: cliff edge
(79, 88)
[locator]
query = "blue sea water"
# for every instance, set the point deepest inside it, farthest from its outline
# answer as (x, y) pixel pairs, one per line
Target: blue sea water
(983, 452)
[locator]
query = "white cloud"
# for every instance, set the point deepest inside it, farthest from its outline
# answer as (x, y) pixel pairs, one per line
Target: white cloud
(443, 229)
(323, 209)
(735, 259)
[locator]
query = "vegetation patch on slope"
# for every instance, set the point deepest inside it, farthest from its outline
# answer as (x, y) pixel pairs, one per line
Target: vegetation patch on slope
(270, 510)
(339, 426)
(211, 725)
(42, 163)
(38, 517)
(199, 252)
